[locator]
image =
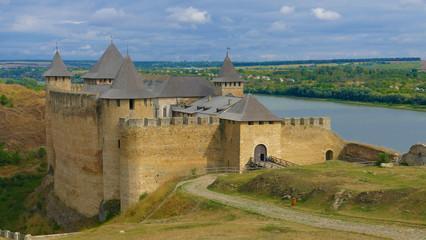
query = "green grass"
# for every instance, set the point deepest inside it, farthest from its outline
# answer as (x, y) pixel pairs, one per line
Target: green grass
(13, 193)
(370, 192)
(393, 65)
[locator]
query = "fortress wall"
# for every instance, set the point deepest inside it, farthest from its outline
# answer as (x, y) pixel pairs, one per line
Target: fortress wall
(156, 150)
(231, 136)
(306, 140)
(253, 135)
(76, 141)
(111, 113)
(52, 83)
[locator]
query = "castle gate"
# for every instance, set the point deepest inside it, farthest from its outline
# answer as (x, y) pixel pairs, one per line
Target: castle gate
(260, 153)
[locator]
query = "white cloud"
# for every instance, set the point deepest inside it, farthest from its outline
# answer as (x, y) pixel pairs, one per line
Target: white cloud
(86, 47)
(286, 9)
(227, 19)
(277, 27)
(73, 22)
(107, 16)
(26, 23)
(323, 14)
(188, 15)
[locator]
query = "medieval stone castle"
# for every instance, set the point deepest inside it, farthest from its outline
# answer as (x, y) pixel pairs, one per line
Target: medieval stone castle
(113, 139)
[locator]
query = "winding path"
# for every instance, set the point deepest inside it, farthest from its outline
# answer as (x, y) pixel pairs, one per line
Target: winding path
(198, 187)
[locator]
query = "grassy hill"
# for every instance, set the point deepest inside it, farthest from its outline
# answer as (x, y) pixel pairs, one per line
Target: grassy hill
(22, 126)
(397, 197)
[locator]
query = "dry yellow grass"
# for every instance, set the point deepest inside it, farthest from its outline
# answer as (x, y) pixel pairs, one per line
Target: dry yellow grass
(186, 217)
(23, 125)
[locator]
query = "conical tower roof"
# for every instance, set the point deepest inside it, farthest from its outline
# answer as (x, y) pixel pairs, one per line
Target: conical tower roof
(107, 66)
(128, 84)
(249, 109)
(227, 72)
(57, 68)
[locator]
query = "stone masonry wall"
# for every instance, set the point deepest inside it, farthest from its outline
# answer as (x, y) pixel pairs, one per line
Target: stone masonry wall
(76, 142)
(111, 114)
(156, 150)
(306, 140)
(265, 133)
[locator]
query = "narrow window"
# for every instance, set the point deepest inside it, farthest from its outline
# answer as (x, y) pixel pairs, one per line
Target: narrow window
(119, 143)
(132, 104)
(260, 123)
(239, 84)
(226, 84)
(144, 102)
(271, 122)
(118, 102)
(250, 123)
(164, 111)
(56, 78)
(110, 81)
(235, 84)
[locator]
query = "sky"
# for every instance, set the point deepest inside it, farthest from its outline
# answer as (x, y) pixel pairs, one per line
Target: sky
(201, 30)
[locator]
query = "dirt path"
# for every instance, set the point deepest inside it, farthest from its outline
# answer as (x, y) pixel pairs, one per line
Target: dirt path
(198, 187)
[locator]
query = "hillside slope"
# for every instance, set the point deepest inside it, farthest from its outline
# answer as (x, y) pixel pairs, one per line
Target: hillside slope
(23, 125)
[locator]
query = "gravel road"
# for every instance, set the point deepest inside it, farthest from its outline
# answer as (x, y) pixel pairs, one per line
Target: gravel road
(198, 187)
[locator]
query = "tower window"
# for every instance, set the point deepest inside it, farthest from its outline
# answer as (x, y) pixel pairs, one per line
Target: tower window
(118, 102)
(56, 78)
(144, 102)
(131, 104)
(239, 84)
(260, 123)
(235, 84)
(119, 143)
(250, 123)
(226, 84)
(164, 111)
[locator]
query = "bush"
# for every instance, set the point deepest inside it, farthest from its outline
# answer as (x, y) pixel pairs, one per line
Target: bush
(383, 158)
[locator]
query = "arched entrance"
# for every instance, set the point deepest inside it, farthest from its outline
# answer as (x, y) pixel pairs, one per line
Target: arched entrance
(329, 155)
(260, 153)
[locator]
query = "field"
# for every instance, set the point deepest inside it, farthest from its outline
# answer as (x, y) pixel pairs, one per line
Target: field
(23, 125)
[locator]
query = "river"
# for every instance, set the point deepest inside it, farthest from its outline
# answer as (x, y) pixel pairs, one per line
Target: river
(387, 127)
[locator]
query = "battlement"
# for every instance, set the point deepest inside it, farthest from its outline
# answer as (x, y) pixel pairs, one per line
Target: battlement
(323, 122)
(72, 100)
(174, 121)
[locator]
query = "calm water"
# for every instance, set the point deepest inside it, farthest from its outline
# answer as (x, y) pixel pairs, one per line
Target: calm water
(391, 128)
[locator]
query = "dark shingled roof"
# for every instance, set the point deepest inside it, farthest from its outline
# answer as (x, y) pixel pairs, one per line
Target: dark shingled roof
(184, 87)
(249, 109)
(128, 84)
(107, 66)
(57, 68)
(227, 72)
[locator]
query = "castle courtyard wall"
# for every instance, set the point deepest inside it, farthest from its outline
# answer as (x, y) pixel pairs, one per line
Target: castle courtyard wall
(76, 142)
(306, 140)
(112, 111)
(156, 150)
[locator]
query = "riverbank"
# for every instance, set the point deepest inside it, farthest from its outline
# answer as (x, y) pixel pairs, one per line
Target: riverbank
(376, 104)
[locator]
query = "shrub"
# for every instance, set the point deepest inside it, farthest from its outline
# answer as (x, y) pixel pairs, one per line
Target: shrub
(383, 158)
(142, 196)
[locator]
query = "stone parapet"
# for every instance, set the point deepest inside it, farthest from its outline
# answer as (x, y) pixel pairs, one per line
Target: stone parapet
(165, 122)
(72, 100)
(323, 122)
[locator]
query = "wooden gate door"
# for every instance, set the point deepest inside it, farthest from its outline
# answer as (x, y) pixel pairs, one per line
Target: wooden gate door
(260, 153)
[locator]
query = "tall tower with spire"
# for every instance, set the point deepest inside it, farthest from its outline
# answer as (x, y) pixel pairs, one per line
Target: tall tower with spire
(228, 81)
(104, 71)
(57, 77)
